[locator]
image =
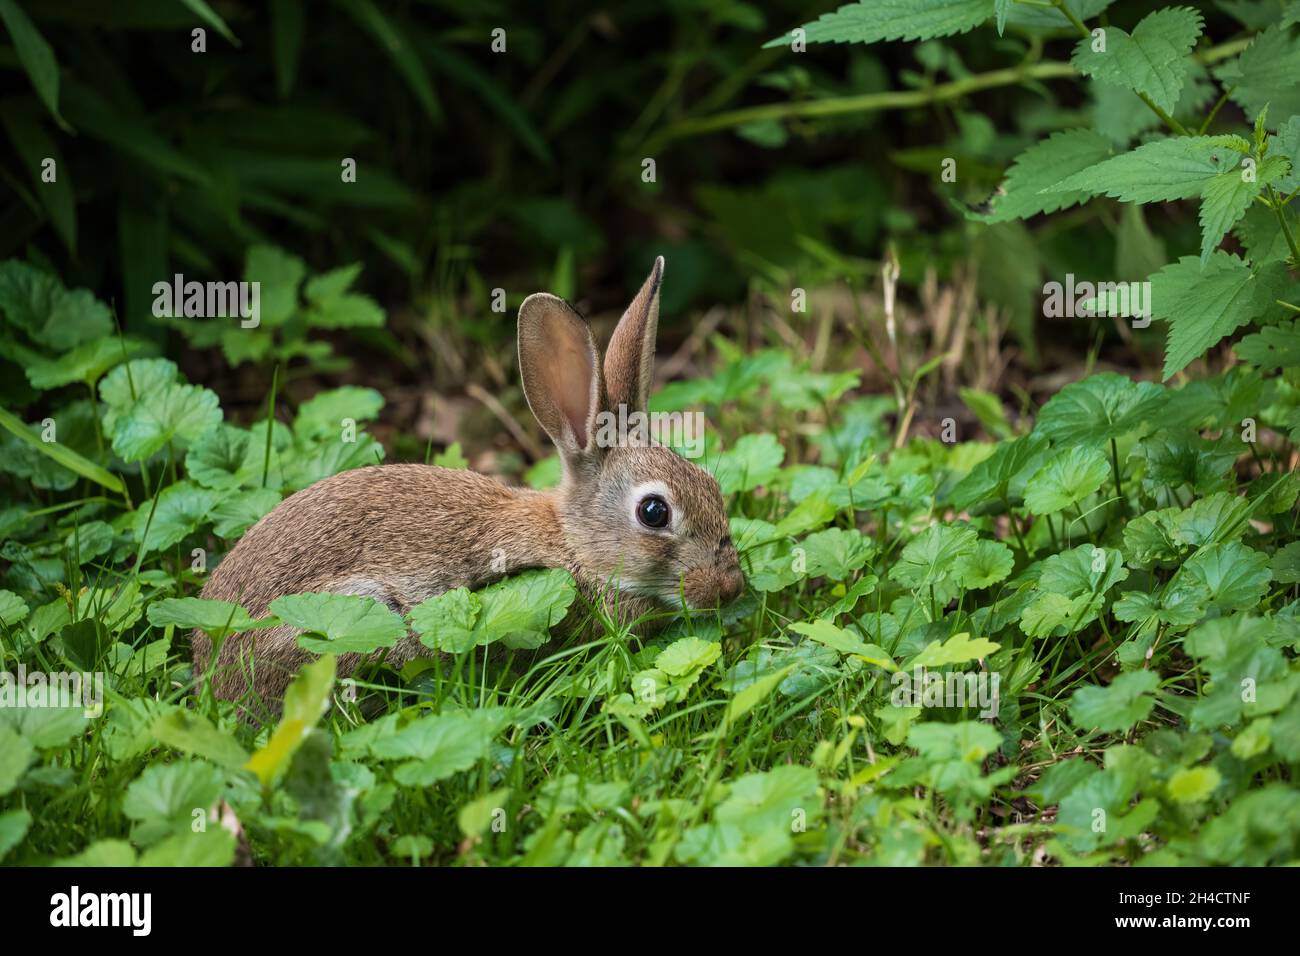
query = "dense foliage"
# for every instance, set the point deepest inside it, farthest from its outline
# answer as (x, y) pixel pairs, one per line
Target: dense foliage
(1118, 569)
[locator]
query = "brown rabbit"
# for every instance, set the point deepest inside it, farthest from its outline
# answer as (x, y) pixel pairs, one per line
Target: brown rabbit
(638, 526)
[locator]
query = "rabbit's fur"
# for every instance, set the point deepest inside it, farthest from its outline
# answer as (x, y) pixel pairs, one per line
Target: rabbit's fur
(403, 533)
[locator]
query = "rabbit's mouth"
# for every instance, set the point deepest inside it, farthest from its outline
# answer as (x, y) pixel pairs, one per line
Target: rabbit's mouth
(699, 588)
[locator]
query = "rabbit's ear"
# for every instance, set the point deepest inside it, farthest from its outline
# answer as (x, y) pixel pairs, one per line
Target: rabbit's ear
(630, 358)
(561, 372)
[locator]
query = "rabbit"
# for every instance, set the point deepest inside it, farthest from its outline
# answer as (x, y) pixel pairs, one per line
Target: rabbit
(638, 526)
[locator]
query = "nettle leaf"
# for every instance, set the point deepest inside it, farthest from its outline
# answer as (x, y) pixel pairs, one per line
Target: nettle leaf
(989, 563)
(1066, 479)
(836, 552)
(518, 611)
(968, 741)
(1040, 166)
(1286, 145)
(1100, 408)
(323, 415)
(931, 557)
(181, 510)
(958, 649)
(215, 618)
(1274, 346)
(1265, 73)
(1160, 171)
(339, 623)
(1235, 576)
(175, 411)
(1117, 707)
(871, 21)
(51, 315)
(1202, 305)
(1151, 60)
(754, 460)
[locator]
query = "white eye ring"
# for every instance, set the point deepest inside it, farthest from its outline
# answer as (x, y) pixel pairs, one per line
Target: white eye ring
(659, 489)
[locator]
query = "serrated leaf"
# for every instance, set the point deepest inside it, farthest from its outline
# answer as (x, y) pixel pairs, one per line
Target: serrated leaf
(1066, 479)
(871, 21)
(347, 623)
(1116, 707)
(1274, 346)
(1160, 171)
(1151, 60)
(1202, 305)
(1043, 165)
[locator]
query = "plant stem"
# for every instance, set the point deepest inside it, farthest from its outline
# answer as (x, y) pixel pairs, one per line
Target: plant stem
(1280, 209)
(1114, 463)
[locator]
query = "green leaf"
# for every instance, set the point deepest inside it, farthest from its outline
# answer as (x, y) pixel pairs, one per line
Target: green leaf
(1100, 408)
(210, 17)
(518, 611)
(989, 563)
(1041, 166)
(438, 746)
(931, 556)
(846, 642)
(871, 21)
(194, 734)
(1224, 200)
(395, 44)
(1235, 576)
(1066, 479)
(754, 460)
(173, 412)
(217, 619)
(1116, 707)
(164, 797)
(51, 315)
(323, 415)
(1193, 785)
(1265, 73)
(85, 363)
(1160, 171)
(836, 553)
(304, 702)
(181, 510)
(61, 454)
(12, 609)
(687, 656)
(1152, 60)
(958, 649)
(1274, 346)
(13, 827)
(1204, 305)
(234, 515)
(16, 753)
(36, 56)
(345, 623)
(279, 275)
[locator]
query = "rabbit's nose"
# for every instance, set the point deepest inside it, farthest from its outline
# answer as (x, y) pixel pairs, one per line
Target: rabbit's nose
(731, 585)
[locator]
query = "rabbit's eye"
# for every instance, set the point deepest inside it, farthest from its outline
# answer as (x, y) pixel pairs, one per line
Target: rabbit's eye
(653, 512)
